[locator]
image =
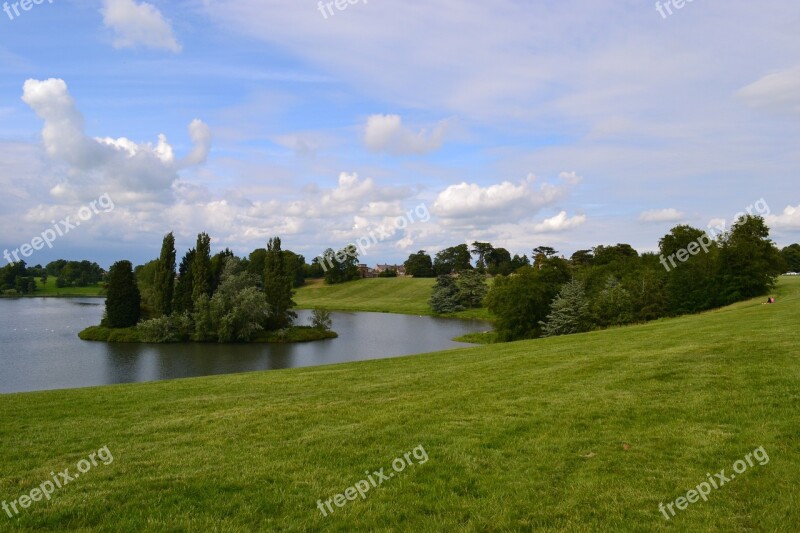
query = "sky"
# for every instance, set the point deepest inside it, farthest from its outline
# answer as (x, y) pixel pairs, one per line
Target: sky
(399, 124)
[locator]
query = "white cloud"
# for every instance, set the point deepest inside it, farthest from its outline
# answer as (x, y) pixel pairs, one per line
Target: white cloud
(661, 215)
(386, 133)
(138, 24)
(200, 134)
(779, 91)
(122, 166)
(560, 222)
(789, 219)
(499, 202)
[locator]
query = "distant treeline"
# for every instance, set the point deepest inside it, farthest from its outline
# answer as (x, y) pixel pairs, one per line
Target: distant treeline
(18, 278)
(608, 285)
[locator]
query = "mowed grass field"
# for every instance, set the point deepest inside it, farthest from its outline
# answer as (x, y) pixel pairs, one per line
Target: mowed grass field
(579, 433)
(381, 295)
(50, 289)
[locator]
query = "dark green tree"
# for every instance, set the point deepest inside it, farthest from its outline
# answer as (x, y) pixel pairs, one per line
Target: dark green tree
(122, 299)
(569, 311)
(164, 282)
(791, 254)
(453, 259)
(182, 301)
(445, 295)
(472, 288)
(278, 282)
(201, 267)
(419, 265)
(750, 263)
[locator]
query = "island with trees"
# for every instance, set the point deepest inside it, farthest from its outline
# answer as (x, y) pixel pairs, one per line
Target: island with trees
(222, 299)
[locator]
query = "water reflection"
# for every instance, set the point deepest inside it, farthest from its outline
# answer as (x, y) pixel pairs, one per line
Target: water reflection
(39, 347)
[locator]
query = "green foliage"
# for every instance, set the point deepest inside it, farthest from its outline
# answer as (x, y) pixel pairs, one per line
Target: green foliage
(499, 262)
(388, 273)
(106, 334)
(453, 259)
(750, 263)
(123, 299)
(74, 273)
(791, 254)
(419, 265)
(613, 306)
(569, 311)
(16, 279)
(521, 302)
(204, 330)
(445, 296)
(182, 300)
(472, 289)
(164, 279)
(278, 282)
(321, 319)
(340, 266)
(201, 268)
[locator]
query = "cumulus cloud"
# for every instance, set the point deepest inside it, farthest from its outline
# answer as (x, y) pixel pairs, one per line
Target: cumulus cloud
(789, 219)
(127, 167)
(386, 133)
(560, 222)
(139, 24)
(779, 91)
(661, 215)
(499, 202)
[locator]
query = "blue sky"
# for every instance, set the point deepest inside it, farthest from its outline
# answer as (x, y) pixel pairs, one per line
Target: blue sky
(522, 123)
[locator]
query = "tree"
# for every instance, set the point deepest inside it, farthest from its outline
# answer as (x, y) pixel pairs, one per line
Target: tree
(520, 303)
(164, 282)
(182, 300)
(453, 259)
(569, 311)
(218, 262)
(201, 267)
(472, 288)
(342, 265)
(546, 251)
(419, 265)
(692, 285)
(445, 295)
(582, 258)
(613, 306)
(388, 273)
(321, 319)
(750, 263)
(518, 262)
(481, 250)
(123, 298)
(499, 263)
(791, 254)
(278, 287)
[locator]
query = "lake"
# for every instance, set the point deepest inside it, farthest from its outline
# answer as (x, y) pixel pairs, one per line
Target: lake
(40, 348)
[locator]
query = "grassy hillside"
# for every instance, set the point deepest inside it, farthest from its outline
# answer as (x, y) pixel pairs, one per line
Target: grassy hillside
(579, 433)
(381, 295)
(50, 289)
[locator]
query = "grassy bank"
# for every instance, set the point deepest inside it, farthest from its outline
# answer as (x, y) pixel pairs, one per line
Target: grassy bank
(587, 432)
(50, 290)
(380, 295)
(132, 335)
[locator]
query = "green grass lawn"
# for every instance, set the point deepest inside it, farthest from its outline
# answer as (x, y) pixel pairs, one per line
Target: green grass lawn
(50, 289)
(581, 433)
(381, 295)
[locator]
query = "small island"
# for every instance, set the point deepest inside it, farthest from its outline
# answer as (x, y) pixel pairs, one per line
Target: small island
(221, 299)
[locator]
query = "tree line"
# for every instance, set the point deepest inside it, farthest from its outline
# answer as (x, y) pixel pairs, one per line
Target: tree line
(606, 285)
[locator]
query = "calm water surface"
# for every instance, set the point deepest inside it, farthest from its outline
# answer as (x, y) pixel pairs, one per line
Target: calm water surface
(40, 349)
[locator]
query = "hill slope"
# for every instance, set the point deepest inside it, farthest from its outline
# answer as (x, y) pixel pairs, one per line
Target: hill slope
(587, 432)
(381, 295)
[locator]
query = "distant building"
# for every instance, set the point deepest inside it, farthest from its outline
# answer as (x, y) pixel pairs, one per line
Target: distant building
(366, 272)
(400, 269)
